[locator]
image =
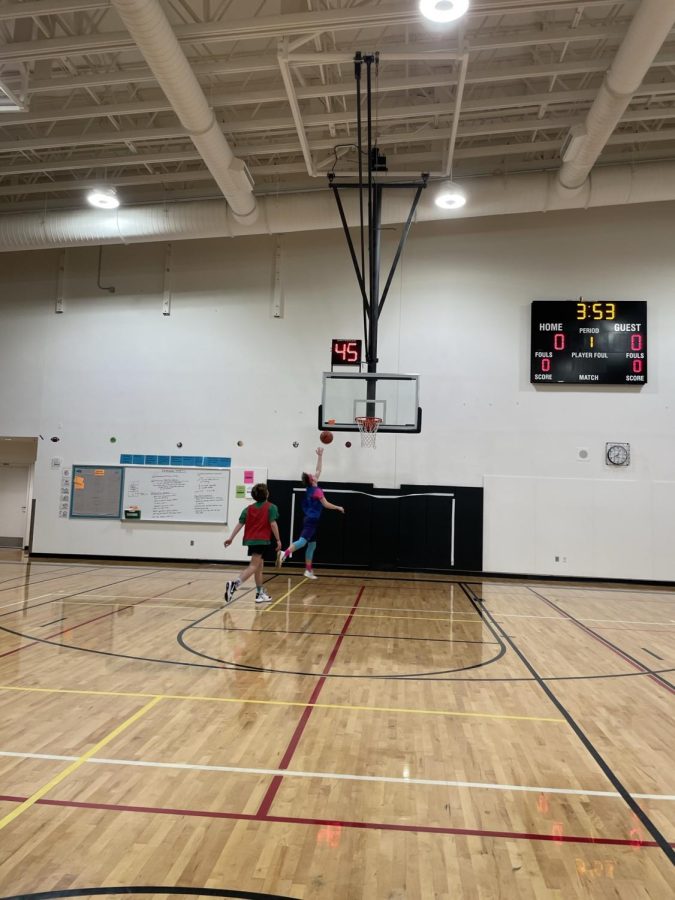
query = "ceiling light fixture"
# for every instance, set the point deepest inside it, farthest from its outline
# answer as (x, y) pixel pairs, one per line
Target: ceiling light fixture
(450, 196)
(103, 198)
(443, 10)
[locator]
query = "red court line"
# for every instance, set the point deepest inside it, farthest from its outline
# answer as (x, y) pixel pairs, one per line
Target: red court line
(342, 823)
(73, 627)
(275, 784)
(634, 663)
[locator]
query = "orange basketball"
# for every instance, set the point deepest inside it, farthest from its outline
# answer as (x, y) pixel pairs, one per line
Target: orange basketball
(326, 437)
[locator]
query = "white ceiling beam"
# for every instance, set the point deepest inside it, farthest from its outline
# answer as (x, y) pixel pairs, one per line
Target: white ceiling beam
(271, 95)
(398, 113)
(48, 8)
(466, 153)
(90, 139)
(251, 64)
(275, 27)
(52, 187)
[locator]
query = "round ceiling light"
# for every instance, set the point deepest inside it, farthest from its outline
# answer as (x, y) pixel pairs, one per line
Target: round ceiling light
(443, 10)
(450, 196)
(103, 198)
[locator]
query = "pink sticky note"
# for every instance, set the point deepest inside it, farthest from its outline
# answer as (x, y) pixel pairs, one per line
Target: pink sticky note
(248, 476)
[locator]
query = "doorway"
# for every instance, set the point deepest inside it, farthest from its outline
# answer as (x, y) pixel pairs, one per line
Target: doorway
(17, 458)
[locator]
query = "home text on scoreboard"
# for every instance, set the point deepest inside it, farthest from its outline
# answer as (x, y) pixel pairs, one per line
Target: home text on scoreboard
(589, 342)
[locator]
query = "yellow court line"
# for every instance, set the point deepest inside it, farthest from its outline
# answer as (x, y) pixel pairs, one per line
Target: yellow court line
(78, 762)
(345, 706)
(287, 594)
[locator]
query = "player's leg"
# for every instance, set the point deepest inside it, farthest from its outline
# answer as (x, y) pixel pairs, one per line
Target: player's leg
(283, 555)
(309, 560)
(231, 586)
(261, 595)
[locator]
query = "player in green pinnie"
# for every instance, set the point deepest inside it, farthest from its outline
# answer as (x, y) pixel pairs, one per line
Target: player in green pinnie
(259, 522)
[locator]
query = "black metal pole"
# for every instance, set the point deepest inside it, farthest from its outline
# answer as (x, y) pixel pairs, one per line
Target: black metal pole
(401, 244)
(352, 252)
(371, 389)
(371, 309)
(359, 144)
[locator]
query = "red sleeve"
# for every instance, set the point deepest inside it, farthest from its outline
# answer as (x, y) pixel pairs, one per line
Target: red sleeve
(318, 494)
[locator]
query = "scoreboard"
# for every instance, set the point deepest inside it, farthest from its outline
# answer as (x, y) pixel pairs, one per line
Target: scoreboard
(589, 342)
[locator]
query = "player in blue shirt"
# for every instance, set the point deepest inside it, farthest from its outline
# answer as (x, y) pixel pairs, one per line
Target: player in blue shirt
(313, 504)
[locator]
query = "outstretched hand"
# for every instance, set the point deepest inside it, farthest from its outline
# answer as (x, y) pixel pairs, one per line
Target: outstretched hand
(227, 542)
(319, 452)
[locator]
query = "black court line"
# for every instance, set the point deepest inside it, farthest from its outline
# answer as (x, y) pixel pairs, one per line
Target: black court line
(653, 654)
(30, 583)
(410, 676)
(157, 889)
(26, 609)
(381, 637)
(222, 667)
(630, 801)
(193, 665)
(663, 682)
(21, 574)
(62, 619)
(491, 578)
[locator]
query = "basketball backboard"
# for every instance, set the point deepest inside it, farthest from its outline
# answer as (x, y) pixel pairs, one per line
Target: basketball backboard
(391, 397)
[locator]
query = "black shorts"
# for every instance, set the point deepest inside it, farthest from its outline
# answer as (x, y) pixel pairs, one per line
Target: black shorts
(267, 551)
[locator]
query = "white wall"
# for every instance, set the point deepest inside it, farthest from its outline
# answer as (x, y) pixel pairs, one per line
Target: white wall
(222, 369)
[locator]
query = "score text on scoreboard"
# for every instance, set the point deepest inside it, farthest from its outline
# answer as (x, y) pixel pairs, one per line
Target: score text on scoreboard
(345, 352)
(589, 342)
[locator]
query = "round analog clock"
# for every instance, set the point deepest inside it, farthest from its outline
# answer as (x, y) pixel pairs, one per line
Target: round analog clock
(618, 454)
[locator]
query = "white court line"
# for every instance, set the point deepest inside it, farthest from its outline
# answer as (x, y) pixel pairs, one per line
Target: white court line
(29, 600)
(290, 773)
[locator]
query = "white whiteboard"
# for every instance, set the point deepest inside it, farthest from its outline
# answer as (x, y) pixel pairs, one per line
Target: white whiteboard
(171, 494)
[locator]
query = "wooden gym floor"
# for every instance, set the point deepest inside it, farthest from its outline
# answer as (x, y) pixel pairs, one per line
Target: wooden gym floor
(405, 737)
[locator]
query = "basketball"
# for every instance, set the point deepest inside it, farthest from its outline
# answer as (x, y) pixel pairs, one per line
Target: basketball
(326, 437)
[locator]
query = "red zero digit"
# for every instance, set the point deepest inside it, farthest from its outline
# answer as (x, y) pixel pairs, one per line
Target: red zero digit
(637, 366)
(636, 342)
(546, 365)
(559, 341)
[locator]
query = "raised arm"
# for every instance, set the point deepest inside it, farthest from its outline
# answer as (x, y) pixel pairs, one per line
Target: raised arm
(319, 453)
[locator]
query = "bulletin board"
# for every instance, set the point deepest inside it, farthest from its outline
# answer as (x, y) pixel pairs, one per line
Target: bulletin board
(96, 492)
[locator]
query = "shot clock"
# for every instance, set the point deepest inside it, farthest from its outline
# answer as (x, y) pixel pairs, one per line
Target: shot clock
(589, 342)
(345, 352)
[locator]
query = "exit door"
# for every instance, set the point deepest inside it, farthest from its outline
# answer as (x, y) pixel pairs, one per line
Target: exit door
(13, 510)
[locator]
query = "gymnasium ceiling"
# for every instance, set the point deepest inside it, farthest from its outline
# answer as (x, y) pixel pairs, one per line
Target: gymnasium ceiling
(516, 77)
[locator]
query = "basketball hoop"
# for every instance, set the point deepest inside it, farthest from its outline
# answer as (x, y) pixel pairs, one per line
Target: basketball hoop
(368, 426)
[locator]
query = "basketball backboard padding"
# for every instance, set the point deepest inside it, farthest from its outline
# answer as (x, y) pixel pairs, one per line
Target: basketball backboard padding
(392, 397)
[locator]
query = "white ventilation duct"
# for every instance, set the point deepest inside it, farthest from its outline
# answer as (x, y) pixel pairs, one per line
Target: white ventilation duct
(647, 32)
(312, 211)
(149, 27)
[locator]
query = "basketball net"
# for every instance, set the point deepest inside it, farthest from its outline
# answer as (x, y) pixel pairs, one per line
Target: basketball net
(368, 426)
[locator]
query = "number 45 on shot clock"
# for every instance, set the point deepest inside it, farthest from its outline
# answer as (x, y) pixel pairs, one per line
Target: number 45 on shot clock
(589, 342)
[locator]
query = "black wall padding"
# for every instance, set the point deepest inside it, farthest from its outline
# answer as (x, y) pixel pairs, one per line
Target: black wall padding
(412, 533)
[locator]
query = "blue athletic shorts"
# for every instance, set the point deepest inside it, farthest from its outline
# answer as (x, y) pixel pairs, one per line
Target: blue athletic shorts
(309, 529)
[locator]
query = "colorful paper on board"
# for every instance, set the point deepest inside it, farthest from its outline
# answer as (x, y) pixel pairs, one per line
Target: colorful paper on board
(249, 476)
(78, 481)
(241, 492)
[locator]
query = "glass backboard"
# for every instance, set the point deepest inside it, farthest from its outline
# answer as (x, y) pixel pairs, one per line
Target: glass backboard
(391, 397)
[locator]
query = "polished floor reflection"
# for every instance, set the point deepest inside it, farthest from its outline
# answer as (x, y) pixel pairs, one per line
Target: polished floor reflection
(364, 736)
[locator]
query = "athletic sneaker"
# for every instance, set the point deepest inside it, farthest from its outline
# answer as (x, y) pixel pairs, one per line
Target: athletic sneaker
(281, 559)
(263, 597)
(230, 588)
(310, 574)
